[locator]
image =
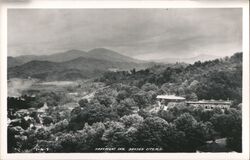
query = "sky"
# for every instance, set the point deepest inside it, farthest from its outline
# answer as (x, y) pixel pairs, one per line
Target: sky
(139, 33)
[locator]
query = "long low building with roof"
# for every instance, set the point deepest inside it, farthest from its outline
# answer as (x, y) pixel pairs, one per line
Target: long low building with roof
(210, 104)
(166, 100)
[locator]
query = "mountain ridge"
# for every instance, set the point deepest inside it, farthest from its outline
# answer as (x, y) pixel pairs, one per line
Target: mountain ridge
(96, 53)
(190, 60)
(81, 67)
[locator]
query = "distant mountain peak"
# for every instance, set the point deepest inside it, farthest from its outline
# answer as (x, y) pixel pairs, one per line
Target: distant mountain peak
(108, 54)
(100, 49)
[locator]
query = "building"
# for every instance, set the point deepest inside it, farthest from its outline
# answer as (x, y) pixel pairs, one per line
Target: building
(210, 104)
(164, 100)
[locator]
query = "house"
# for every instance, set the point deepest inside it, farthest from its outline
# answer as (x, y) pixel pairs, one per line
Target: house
(210, 104)
(164, 100)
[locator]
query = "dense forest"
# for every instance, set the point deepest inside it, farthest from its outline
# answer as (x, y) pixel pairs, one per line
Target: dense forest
(214, 79)
(119, 114)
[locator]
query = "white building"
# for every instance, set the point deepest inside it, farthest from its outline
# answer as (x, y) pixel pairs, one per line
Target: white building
(164, 100)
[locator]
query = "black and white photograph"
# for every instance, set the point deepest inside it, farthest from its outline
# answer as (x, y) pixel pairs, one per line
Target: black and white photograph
(124, 80)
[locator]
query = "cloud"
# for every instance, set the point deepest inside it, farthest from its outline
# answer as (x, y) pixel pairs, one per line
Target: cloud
(133, 32)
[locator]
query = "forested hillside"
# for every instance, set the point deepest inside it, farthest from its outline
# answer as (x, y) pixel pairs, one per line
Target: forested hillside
(117, 112)
(215, 79)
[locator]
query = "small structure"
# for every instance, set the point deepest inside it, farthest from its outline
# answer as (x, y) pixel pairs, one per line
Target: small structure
(164, 100)
(210, 104)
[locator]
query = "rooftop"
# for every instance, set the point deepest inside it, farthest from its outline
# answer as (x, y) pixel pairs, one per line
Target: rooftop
(209, 102)
(171, 97)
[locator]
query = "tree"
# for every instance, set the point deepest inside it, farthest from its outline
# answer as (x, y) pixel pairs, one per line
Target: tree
(47, 120)
(92, 114)
(83, 103)
(122, 95)
(217, 110)
(24, 124)
(143, 113)
(193, 97)
(151, 96)
(193, 85)
(199, 134)
(60, 126)
(151, 132)
(133, 71)
(156, 132)
(185, 122)
(105, 100)
(149, 87)
(12, 142)
(51, 98)
(229, 125)
(167, 115)
(195, 133)
(169, 88)
(225, 123)
(141, 99)
(114, 135)
(181, 91)
(221, 85)
(42, 134)
(31, 140)
(68, 142)
(206, 115)
(90, 137)
(126, 107)
(132, 120)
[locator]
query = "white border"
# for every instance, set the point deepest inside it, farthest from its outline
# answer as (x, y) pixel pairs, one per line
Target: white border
(125, 4)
